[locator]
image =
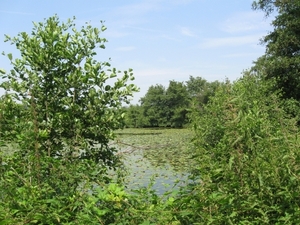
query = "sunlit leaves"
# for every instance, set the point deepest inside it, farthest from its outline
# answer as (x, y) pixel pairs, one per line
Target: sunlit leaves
(245, 143)
(281, 61)
(103, 28)
(62, 115)
(9, 55)
(58, 60)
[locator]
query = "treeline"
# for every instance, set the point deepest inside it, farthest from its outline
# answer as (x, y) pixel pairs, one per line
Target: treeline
(169, 106)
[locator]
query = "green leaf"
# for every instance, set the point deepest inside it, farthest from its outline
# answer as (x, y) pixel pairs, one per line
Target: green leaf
(7, 38)
(9, 55)
(5, 222)
(261, 183)
(112, 75)
(231, 162)
(103, 28)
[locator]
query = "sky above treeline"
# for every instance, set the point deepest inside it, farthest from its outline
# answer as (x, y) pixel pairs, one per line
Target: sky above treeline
(161, 40)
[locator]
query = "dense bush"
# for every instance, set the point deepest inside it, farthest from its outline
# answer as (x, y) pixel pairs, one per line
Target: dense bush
(11, 118)
(248, 152)
(61, 112)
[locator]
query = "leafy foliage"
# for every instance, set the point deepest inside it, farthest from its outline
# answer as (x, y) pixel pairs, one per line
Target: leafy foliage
(134, 116)
(61, 108)
(269, 6)
(247, 148)
(281, 61)
(177, 103)
(11, 118)
(169, 106)
(200, 90)
(153, 104)
(58, 77)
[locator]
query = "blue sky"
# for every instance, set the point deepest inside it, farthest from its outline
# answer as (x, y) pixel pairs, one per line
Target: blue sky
(161, 40)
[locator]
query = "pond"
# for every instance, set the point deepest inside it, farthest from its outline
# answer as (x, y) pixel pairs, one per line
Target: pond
(157, 157)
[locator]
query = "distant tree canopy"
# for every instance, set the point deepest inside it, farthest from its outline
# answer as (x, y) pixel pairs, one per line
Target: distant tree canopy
(154, 105)
(168, 106)
(200, 90)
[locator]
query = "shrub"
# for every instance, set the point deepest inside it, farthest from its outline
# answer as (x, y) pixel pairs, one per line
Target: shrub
(248, 152)
(62, 113)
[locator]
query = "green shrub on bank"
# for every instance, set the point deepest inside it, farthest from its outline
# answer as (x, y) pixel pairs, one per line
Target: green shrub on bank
(248, 151)
(61, 109)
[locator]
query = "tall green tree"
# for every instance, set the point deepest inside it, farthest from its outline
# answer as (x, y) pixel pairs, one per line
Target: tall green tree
(200, 90)
(166, 107)
(71, 107)
(196, 86)
(177, 102)
(134, 116)
(154, 103)
(58, 77)
(282, 58)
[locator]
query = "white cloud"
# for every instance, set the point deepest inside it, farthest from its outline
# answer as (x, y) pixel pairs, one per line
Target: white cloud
(17, 13)
(231, 41)
(115, 33)
(145, 77)
(239, 55)
(149, 76)
(141, 28)
(131, 17)
(179, 2)
(245, 22)
(158, 72)
(168, 37)
(137, 9)
(125, 48)
(187, 32)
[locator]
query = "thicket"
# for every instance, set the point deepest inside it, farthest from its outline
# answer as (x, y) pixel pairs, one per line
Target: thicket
(57, 118)
(247, 149)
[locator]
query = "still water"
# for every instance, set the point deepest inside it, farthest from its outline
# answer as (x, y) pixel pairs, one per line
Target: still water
(160, 157)
(143, 172)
